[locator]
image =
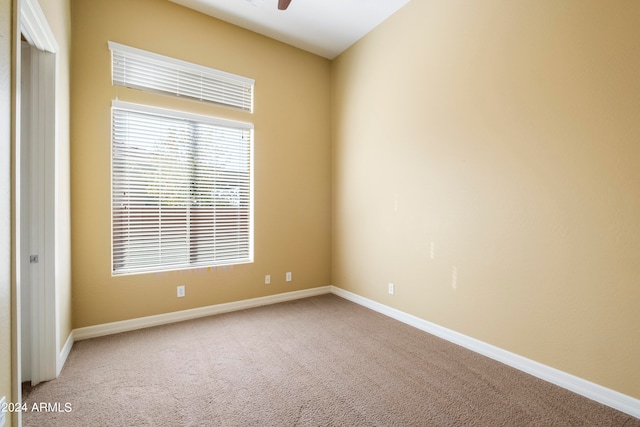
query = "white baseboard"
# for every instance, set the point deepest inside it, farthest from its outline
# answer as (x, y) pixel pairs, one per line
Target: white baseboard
(194, 313)
(64, 353)
(606, 396)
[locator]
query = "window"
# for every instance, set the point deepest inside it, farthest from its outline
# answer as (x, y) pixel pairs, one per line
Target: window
(139, 69)
(182, 190)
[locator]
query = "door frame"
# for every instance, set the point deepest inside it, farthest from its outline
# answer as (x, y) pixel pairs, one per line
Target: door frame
(31, 23)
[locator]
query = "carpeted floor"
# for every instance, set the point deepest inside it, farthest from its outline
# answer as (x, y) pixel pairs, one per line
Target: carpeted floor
(321, 361)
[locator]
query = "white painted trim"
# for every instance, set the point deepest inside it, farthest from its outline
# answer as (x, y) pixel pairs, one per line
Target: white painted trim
(64, 353)
(606, 396)
(194, 313)
(30, 21)
(35, 28)
(177, 114)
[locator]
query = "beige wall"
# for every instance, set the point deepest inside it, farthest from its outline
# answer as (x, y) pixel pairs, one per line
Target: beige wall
(5, 196)
(292, 155)
(486, 160)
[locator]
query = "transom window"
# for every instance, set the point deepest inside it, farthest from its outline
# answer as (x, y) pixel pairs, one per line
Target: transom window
(139, 69)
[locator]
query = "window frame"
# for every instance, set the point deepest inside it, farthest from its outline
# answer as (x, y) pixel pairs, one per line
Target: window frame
(192, 118)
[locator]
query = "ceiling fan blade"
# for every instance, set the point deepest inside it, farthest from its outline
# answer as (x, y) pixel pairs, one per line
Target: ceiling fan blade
(283, 4)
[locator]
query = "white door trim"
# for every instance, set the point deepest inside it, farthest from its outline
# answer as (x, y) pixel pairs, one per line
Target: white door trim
(35, 28)
(33, 25)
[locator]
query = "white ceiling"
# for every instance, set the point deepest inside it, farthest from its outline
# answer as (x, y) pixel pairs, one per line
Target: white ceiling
(324, 27)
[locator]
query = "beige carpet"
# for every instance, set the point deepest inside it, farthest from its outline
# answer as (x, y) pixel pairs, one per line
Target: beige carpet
(321, 361)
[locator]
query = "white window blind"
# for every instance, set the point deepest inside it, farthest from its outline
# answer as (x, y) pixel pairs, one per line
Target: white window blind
(181, 190)
(139, 69)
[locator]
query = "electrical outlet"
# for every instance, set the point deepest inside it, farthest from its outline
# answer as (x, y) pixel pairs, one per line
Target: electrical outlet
(181, 291)
(267, 279)
(288, 276)
(392, 289)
